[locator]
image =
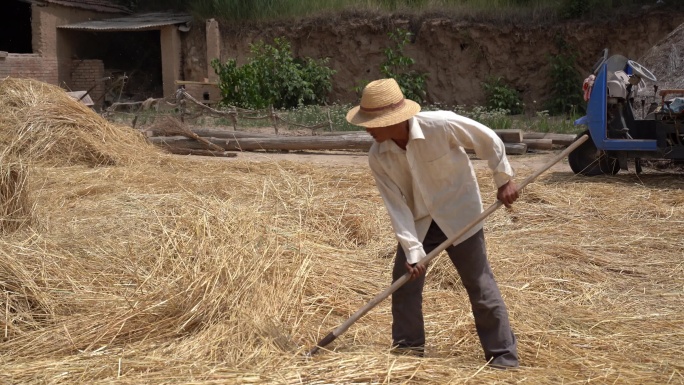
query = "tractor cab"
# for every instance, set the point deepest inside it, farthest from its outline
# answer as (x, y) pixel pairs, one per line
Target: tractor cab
(622, 84)
(616, 134)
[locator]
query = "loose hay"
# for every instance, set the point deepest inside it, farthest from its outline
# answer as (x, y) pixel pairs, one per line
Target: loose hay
(215, 272)
(41, 123)
(15, 203)
(205, 271)
(666, 61)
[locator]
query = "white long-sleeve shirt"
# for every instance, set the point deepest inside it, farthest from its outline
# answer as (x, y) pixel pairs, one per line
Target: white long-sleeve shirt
(433, 179)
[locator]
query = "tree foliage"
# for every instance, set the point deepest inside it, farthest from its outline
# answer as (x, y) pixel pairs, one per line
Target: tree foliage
(398, 65)
(566, 85)
(501, 96)
(273, 77)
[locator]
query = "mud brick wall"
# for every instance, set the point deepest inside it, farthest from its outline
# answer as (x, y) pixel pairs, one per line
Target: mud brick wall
(29, 66)
(86, 74)
(198, 90)
(4, 65)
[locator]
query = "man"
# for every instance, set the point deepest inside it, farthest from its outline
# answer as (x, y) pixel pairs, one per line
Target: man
(429, 187)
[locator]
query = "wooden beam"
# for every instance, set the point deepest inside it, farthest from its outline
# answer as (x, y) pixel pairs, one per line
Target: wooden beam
(539, 144)
(214, 133)
(506, 135)
(557, 139)
(515, 148)
(510, 135)
(190, 151)
(294, 143)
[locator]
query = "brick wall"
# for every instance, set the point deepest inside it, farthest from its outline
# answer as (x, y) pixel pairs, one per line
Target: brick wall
(29, 66)
(5, 69)
(86, 74)
(197, 90)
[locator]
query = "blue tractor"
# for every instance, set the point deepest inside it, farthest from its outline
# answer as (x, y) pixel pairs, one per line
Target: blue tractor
(616, 135)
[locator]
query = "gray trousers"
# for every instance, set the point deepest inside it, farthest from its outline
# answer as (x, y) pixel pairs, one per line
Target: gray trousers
(491, 317)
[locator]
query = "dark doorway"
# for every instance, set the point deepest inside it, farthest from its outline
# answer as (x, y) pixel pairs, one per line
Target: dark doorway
(15, 28)
(136, 55)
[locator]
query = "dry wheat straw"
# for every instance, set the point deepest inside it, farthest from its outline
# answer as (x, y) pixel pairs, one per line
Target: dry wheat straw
(205, 271)
(41, 122)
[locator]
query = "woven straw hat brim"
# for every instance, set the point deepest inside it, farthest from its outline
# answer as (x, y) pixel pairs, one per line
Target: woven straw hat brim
(385, 118)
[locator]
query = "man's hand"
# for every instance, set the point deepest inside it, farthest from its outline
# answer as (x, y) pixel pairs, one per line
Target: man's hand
(415, 270)
(508, 193)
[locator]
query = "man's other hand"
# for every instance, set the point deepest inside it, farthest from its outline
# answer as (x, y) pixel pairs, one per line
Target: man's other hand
(415, 270)
(508, 193)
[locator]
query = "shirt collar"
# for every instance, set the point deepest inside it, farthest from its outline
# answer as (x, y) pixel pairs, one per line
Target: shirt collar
(415, 132)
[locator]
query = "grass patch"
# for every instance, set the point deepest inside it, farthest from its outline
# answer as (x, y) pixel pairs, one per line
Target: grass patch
(256, 10)
(310, 116)
(542, 122)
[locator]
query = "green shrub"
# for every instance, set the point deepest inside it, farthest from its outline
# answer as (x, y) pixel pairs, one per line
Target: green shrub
(493, 118)
(566, 84)
(543, 122)
(273, 77)
(398, 66)
(502, 96)
(315, 115)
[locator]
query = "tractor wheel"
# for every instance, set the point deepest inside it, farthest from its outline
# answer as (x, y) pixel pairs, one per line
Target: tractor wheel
(588, 160)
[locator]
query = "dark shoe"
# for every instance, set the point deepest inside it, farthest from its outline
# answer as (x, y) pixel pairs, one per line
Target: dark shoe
(502, 367)
(504, 362)
(404, 350)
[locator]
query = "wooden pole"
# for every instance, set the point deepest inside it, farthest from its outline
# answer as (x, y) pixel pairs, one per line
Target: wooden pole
(190, 151)
(538, 144)
(403, 279)
(274, 118)
(180, 101)
(556, 139)
(510, 135)
(213, 133)
(234, 119)
(299, 143)
(330, 123)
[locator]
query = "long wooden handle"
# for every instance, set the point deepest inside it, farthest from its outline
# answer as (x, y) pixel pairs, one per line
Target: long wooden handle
(403, 279)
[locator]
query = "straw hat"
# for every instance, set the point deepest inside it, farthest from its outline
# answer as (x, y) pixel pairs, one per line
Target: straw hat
(382, 104)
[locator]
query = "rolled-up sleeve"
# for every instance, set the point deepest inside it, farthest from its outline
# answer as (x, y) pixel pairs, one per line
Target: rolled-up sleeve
(399, 212)
(475, 136)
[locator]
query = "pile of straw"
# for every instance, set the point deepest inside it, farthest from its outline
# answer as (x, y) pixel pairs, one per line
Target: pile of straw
(15, 203)
(39, 122)
(212, 271)
(666, 61)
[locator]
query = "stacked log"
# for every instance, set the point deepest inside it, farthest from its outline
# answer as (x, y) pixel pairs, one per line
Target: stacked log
(533, 140)
(516, 142)
(290, 143)
(563, 140)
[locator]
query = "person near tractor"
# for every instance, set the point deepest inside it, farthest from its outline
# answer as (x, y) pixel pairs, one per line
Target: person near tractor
(429, 188)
